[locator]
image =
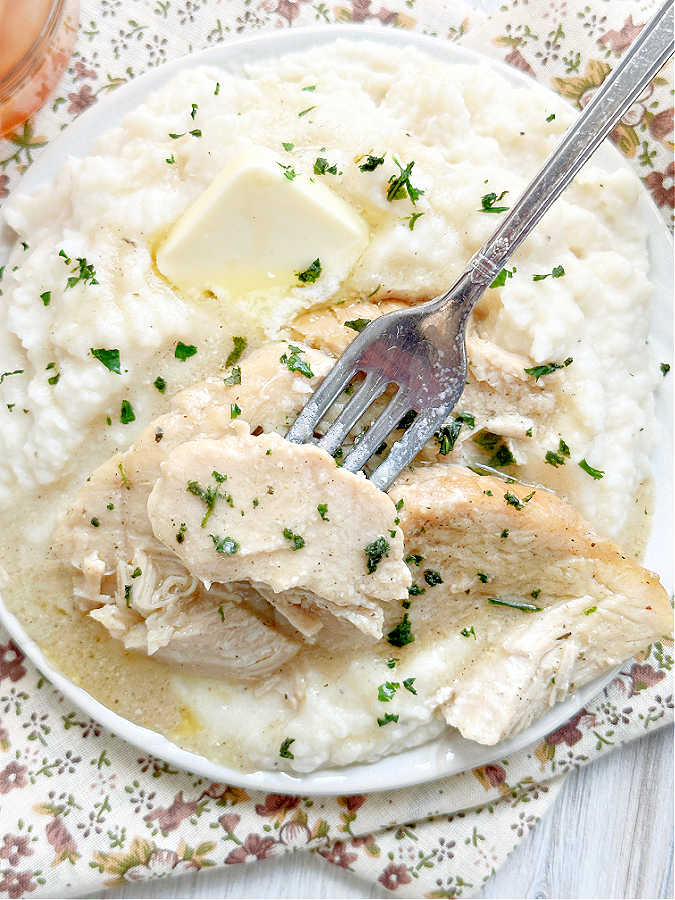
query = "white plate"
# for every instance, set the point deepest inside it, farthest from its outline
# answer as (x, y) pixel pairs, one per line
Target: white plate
(450, 753)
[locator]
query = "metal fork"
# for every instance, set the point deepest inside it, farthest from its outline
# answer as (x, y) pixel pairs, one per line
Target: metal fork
(420, 351)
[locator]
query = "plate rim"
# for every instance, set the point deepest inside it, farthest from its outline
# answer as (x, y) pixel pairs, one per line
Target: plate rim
(385, 773)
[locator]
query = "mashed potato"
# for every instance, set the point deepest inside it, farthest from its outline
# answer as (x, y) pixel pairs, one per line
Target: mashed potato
(82, 277)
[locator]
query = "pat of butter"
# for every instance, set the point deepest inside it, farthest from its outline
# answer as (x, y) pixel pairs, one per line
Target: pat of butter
(254, 228)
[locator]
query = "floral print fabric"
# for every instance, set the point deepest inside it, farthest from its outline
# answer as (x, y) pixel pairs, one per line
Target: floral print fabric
(81, 809)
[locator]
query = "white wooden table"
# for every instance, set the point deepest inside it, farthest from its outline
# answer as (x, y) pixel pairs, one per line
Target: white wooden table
(610, 834)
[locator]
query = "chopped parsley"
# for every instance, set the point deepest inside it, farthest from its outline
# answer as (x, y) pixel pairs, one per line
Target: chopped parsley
(563, 448)
(296, 539)
(137, 572)
(554, 459)
(95, 522)
(160, 384)
(303, 112)
(431, 577)
(590, 610)
(196, 132)
(170, 160)
(240, 344)
(469, 632)
(494, 444)
(371, 163)
(127, 414)
(234, 377)
(357, 324)
(400, 185)
(447, 435)
(387, 690)
(557, 272)
(110, 506)
(407, 419)
(550, 118)
(180, 534)
(235, 410)
(546, 368)
(208, 496)
(481, 576)
(415, 590)
(391, 663)
(294, 363)
(311, 273)
(322, 509)
(184, 351)
(505, 533)
(412, 218)
(225, 545)
(399, 505)
(535, 593)
(193, 111)
(85, 271)
(109, 358)
(124, 476)
(288, 170)
(588, 468)
(217, 90)
(487, 203)
(285, 749)
(310, 87)
(408, 685)
(375, 551)
(321, 167)
(514, 604)
(500, 280)
(46, 298)
(388, 717)
(665, 368)
(414, 558)
(402, 633)
(221, 613)
(514, 501)
(127, 594)
(287, 145)
(7, 374)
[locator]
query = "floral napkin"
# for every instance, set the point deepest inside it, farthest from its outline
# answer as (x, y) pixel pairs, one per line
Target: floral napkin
(81, 809)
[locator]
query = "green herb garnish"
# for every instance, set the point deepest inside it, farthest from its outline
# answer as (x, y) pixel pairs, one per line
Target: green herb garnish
(375, 551)
(311, 273)
(371, 163)
(287, 145)
(487, 202)
(322, 509)
(321, 167)
(285, 750)
(297, 541)
(127, 414)
(46, 298)
(303, 112)
(547, 368)
(109, 358)
(240, 344)
(294, 363)
(412, 218)
(500, 280)
(235, 410)
(184, 351)
(387, 690)
(160, 384)
(469, 632)
(400, 185)
(357, 324)
(234, 377)
(289, 171)
(408, 685)
(557, 272)
(594, 473)
(431, 577)
(402, 634)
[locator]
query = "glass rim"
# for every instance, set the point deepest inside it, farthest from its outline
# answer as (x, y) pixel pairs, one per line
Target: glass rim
(32, 58)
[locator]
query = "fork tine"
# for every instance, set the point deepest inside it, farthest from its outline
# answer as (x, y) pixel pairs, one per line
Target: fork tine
(405, 450)
(373, 387)
(302, 430)
(378, 431)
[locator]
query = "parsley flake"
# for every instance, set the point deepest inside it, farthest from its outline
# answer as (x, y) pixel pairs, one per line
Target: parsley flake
(487, 202)
(665, 368)
(296, 539)
(590, 610)
(284, 750)
(311, 273)
(469, 632)
(127, 414)
(288, 170)
(322, 509)
(235, 410)
(234, 377)
(546, 368)
(387, 690)
(431, 577)
(500, 280)
(287, 145)
(184, 351)
(400, 185)
(588, 468)
(46, 298)
(412, 218)
(7, 374)
(375, 551)
(388, 717)
(408, 685)
(109, 358)
(402, 633)
(160, 384)
(294, 363)
(357, 324)
(321, 167)
(371, 163)
(240, 344)
(303, 112)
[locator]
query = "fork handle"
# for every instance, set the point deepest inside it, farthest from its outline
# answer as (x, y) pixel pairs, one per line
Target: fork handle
(645, 57)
